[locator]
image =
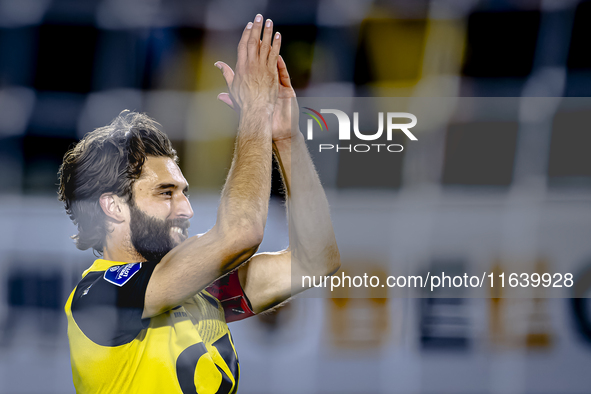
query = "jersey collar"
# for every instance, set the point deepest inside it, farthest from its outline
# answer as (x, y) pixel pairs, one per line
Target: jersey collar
(102, 265)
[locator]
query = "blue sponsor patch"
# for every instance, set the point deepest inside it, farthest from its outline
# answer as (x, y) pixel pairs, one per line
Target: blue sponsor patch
(120, 274)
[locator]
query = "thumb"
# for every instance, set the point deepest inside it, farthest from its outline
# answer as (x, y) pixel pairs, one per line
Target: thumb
(227, 71)
(225, 98)
(284, 78)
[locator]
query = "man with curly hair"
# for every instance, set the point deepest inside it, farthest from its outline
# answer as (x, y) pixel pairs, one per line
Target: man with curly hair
(151, 315)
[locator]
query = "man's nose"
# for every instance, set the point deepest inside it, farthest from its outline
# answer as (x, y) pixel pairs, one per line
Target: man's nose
(183, 208)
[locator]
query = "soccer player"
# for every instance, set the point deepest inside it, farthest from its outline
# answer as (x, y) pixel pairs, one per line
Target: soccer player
(150, 315)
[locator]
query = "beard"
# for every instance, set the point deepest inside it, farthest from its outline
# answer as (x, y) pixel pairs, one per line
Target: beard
(151, 237)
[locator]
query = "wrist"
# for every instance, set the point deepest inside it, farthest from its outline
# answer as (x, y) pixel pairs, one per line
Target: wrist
(257, 110)
(286, 142)
(257, 120)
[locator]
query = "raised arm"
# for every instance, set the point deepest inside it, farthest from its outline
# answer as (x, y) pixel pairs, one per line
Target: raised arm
(267, 277)
(242, 213)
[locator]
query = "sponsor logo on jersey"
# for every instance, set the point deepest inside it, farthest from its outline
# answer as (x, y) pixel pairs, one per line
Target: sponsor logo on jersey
(120, 274)
(86, 291)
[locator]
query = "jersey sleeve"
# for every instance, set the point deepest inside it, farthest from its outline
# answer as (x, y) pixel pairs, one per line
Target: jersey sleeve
(108, 305)
(228, 291)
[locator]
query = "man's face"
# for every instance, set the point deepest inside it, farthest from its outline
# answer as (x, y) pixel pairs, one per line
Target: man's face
(160, 210)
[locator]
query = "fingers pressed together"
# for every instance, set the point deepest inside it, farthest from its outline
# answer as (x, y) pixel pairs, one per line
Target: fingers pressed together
(255, 55)
(252, 49)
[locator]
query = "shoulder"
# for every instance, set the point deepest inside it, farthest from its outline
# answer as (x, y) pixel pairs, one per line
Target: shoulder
(107, 305)
(113, 285)
(119, 275)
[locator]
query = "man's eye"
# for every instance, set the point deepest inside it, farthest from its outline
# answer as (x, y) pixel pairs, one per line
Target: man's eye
(167, 193)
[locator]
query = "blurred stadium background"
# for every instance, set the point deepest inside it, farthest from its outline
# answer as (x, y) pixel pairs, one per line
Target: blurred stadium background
(68, 66)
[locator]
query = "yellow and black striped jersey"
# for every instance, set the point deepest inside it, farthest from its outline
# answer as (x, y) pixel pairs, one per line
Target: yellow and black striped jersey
(188, 349)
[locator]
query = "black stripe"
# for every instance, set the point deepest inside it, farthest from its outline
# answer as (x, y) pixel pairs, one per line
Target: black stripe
(226, 350)
(226, 384)
(210, 299)
(186, 364)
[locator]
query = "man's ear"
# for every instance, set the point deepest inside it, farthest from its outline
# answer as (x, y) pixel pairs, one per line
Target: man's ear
(112, 206)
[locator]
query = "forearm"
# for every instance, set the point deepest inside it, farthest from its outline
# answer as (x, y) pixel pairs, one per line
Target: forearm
(312, 240)
(245, 196)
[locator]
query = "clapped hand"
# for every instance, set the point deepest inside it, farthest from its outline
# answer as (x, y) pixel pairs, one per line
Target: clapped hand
(254, 86)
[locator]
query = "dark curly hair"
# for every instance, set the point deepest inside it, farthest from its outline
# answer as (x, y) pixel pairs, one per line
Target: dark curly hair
(107, 160)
